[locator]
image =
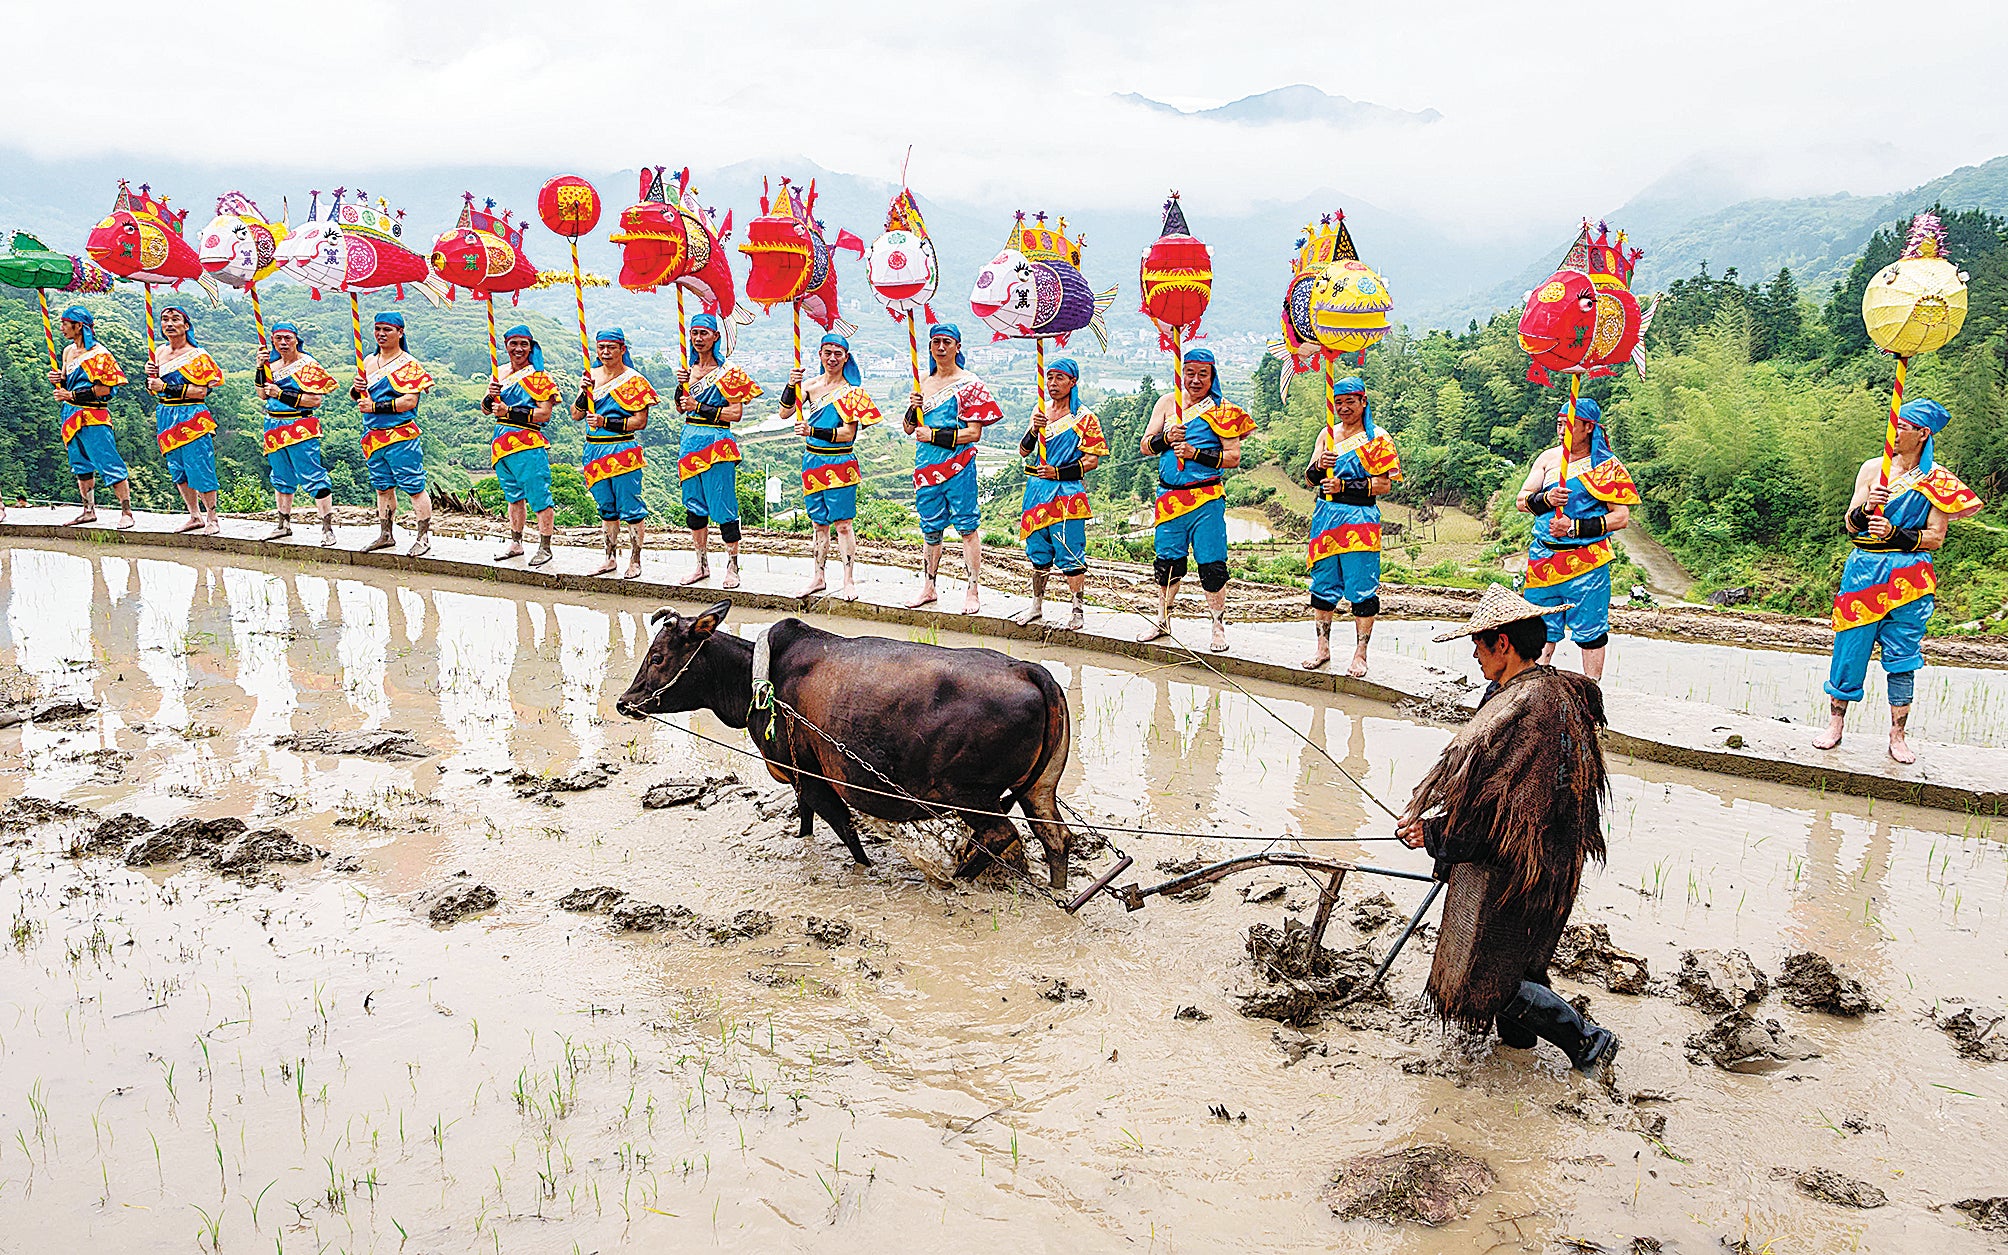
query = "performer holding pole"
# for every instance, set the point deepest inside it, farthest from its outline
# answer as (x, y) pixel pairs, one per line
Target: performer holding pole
(1061, 446)
(829, 412)
(520, 400)
(614, 402)
(1577, 504)
(1191, 500)
(293, 389)
(946, 416)
(713, 396)
(387, 389)
(88, 380)
(180, 374)
(1352, 467)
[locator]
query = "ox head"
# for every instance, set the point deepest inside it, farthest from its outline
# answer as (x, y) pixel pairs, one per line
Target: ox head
(666, 681)
(1006, 296)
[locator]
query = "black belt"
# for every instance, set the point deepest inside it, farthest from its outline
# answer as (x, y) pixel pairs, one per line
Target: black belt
(691, 420)
(621, 438)
(522, 426)
(1202, 483)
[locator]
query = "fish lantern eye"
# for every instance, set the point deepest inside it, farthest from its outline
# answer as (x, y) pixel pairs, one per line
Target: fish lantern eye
(985, 279)
(1586, 302)
(895, 260)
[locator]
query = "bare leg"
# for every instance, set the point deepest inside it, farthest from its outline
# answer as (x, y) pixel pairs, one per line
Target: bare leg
(731, 579)
(972, 561)
(194, 504)
(1322, 626)
(1593, 662)
(284, 502)
(1216, 609)
(637, 530)
(930, 565)
(821, 546)
(123, 492)
(1166, 594)
(1899, 749)
(519, 514)
(1077, 587)
(421, 509)
(211, 524)
(847, 545)
(87, 496)
(547, 522)
(610, 539)
(1837, 722)
(1548, 653)
(1037, 610)
(700, 540)
(1363, 632)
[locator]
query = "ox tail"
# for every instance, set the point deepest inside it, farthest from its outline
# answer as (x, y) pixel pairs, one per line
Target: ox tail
(1038, 791)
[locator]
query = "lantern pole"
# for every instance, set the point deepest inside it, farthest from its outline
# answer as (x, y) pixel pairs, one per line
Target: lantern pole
(1889, 430)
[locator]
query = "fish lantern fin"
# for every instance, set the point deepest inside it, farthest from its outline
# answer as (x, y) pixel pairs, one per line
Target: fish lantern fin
(846, 240)
(1537, 374)
(928, 309)
(315, 293)
(400, 291)
(995, 336)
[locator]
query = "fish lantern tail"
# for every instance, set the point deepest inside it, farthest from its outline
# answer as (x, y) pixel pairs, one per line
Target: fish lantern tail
(846, 240)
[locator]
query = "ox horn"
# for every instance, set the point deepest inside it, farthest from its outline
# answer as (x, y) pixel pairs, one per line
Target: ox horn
(658, 613)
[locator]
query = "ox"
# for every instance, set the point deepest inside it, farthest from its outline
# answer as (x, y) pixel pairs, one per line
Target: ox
(968, 730)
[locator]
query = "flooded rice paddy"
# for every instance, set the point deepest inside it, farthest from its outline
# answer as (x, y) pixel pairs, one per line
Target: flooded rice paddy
(297, 1059)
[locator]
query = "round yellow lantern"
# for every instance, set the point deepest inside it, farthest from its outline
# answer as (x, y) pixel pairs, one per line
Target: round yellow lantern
(1918, 302)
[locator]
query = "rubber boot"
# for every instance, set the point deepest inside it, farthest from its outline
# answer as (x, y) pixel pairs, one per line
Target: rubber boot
(385, 538)
(515, 539)
(285, 527)
(543, 553)
(421, 544)
(1541, 1012)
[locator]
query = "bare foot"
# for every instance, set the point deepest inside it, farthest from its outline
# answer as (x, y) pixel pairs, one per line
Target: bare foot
(1899, 749)
(1078, 619)
(606, 568)
(86, 516)
(634, 570)
(194, 524)
(1219, 645)
(1029, 614)
(1157, 628)
(126, 519)
(927, 598)
(731, 579)
(813, 587)
(212, 526)
(1358, 666)
(1312, 664)
(542, 555)
(849, 592)
(971, 603)
(1831, 737)
(701, 574)
(515, 550)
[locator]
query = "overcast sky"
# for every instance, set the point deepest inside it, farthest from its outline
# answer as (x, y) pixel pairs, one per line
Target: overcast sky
(1008, 102)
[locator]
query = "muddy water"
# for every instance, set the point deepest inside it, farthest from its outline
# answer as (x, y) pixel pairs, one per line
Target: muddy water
(301, 1061)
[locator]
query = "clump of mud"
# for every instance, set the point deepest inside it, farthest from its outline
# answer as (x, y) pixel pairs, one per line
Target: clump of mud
(52, 710)
(24, 813)
(393, 744)
(1371, 914)
(1976, 1032)
(1717, 981)
(597, 900)
(1427, 1185)
(1061, 990)
(744, 925)
(1182, 867)
(828, 933)
(1295, 982)
(1811, 983)
(1842, 1191)
(650, 917)
(1986, 1213)
(684, 793)
(1741, 1043)
(1586, 954)
(453, 903)
(528, 784)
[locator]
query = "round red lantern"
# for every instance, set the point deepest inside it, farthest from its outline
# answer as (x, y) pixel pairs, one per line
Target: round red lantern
(569, 206)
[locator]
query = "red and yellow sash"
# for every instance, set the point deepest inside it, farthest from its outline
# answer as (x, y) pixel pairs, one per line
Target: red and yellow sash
(734, 384)
(1904, 585)
(305, 427)
(1058, 510)
(832, 475)
(91, 416)
(619, 462)
(514, 440)
(197, 368)
(377, 439)
(1175, 502)
(1608, 481)
(1345, 538)
(717, 453)
(939, 473)
(1563, 565)
(1947, 494)
(187, 431)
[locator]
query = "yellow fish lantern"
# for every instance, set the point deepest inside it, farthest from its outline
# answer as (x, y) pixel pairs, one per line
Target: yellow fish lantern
(1917, 303)
(1351, 307)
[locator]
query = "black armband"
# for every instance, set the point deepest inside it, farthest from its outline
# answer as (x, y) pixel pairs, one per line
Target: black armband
(1354, 492)
(912, 413)
(1207, 457)
(944, 437)
(383, 407)
(1586, 529)
(1904, 539)
(86, 395)
(355, 392)
(262, 375)
(828, 435)
(710, 413)
(488, 403)
(584, 400)
(290, 394)
(616, 423)
(520, 413)
(1068, 471)
(173, 392)
(1160, 443)
(788, 397)
(1315, 476)
(1858, 519)
(1029, 441)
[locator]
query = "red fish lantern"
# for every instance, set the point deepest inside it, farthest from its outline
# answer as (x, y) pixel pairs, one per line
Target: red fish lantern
(569, 206)
(788, 259)
(1584, 319)
(141, 240)
(1176, 277)
(483, 253)
(655, 243)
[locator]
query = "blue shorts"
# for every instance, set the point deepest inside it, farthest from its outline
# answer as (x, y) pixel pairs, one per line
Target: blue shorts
(953, 504)
(1589, 618)
(618, 497)
(401, 465)
(194, 464)
(1063, 544)
(1353, 577)
(710, 496)
(525, 476)
(297, 468)
(93, 452)
(1901, 635)
(831, 505)
(1202, 532)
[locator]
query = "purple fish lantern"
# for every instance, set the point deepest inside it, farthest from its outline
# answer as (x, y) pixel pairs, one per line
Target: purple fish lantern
(1034, 289)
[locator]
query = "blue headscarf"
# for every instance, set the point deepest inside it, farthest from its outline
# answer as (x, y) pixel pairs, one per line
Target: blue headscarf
(391, 318)
(954, 333)
(851, 373)
(614, 335)
(1072, 369)
(1600, 444)
(82, 317)
(299, 337)
(707, 322)
(1347, 387)
(187, 319)
(1925, 413)
(1206, 356)
(521, 332)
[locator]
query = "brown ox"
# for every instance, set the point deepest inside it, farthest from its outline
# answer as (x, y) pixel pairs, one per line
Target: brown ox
(968, 730)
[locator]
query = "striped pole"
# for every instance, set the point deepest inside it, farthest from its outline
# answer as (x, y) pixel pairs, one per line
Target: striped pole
(147, 288)
(579, 293)
(356, 329)
(797, 307)
(1889, 431)
(1040, 365)
(913, 349)
(494, 358)
(1178, 386)
(49, 329)
(257, 313)
(1568, 454)
(1331, 408)
(683, 335)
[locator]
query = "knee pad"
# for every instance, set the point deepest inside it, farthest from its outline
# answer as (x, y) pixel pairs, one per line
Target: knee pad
(323, 494)
(1367, 607)
(693, 520)
(1326, 604)
(1070, 573)
(728, 531)
(1595, 642)
(1168, 571)
(1213, 576)
(1043, 570)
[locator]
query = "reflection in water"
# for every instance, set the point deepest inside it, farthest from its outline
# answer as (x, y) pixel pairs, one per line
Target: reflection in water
(365, 641)
(413, 606)
(261, 624)
(583, 643)
(536, 610)
(477, 651)
(166, 590)
(49, 617)
(314, 592)
(118, 578)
